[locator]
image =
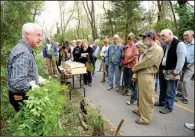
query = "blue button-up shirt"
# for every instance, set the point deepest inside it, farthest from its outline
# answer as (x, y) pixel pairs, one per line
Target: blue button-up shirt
(21, 68)
(190, 52)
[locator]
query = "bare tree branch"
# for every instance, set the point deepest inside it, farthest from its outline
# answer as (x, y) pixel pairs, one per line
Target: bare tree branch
(86, 11)
(69, 17)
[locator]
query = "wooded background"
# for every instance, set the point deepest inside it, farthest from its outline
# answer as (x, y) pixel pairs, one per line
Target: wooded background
(120, 17)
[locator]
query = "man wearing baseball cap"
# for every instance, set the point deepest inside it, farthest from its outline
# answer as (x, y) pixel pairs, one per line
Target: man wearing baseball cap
(145, 72)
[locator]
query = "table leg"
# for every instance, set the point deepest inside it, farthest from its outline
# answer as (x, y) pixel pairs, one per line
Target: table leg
(73, 80)
(70, 94)
(80, 80)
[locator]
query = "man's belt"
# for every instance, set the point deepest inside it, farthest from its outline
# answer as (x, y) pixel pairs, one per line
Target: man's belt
(17, 95)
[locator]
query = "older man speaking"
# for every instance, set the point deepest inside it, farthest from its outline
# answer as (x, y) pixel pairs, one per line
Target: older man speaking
(21, 65)
(145, 72)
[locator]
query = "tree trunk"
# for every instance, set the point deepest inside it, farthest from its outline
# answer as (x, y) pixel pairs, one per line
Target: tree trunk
(177, 30)
(34, 15)
(79, 22)
(110, 20)
(93, 20)
(159, 9)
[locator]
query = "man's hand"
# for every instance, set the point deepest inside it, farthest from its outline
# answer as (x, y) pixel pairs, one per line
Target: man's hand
(188, 65)
(133, 80)
(33, 85)
(125, 62)
(41, 84)
(172, 77)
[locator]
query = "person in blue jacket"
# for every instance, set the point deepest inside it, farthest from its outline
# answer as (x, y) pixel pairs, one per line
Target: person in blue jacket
(114, 63)
(50, 53)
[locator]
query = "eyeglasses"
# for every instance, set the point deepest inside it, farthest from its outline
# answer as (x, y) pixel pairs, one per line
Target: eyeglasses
(145, 37)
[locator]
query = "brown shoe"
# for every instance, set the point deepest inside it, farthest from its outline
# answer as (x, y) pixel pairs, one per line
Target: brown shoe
(138, 121)
(136, 112)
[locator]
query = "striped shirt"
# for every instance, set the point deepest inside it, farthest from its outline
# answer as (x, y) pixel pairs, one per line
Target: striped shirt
(21, 68)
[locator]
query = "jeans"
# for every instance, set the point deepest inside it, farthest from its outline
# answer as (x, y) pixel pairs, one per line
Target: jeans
(107, 69)
(170, 93)
(127, 75)
(100, 69)
(114, 70)
(156, 82)
(163, 87)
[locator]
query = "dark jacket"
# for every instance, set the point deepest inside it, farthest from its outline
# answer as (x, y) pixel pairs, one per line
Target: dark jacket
(77, 53)
(90, 53)
(171, 60)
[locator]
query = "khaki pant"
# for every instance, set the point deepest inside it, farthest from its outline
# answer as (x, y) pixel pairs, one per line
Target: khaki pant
(184, 85)
(51, 64)
(104, 71)
(145, 101)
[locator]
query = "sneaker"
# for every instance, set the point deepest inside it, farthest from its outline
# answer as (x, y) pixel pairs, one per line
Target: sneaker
(109, 88)
(185, 101)
(165, 111)
(117, 89)
(128, 94)
(135, 102)
(189, 125)
(178, 95)
(89, 84)
(128, 103)
(56, 76)
(103, 80)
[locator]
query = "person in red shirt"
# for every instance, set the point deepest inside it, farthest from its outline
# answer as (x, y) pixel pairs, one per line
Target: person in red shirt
(130, 59)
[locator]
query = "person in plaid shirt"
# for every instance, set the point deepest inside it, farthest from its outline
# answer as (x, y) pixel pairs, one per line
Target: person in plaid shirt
(21, 66)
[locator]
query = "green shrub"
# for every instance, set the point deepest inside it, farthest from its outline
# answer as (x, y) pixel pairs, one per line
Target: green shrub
(41, 113)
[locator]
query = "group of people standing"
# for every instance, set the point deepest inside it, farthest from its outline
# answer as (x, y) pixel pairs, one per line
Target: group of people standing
(57, 53)
(140, 61)
(157, 56)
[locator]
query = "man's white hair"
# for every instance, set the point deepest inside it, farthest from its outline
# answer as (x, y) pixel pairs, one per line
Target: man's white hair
(30, 27)
(116, 36)
(191, 31)
(73, 41)
(166, 32)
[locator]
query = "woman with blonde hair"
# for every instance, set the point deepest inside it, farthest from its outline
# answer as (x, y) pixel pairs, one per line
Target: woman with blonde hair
(103, 54)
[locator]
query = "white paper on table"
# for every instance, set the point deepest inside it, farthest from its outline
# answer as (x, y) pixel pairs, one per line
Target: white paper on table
(60, 67)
